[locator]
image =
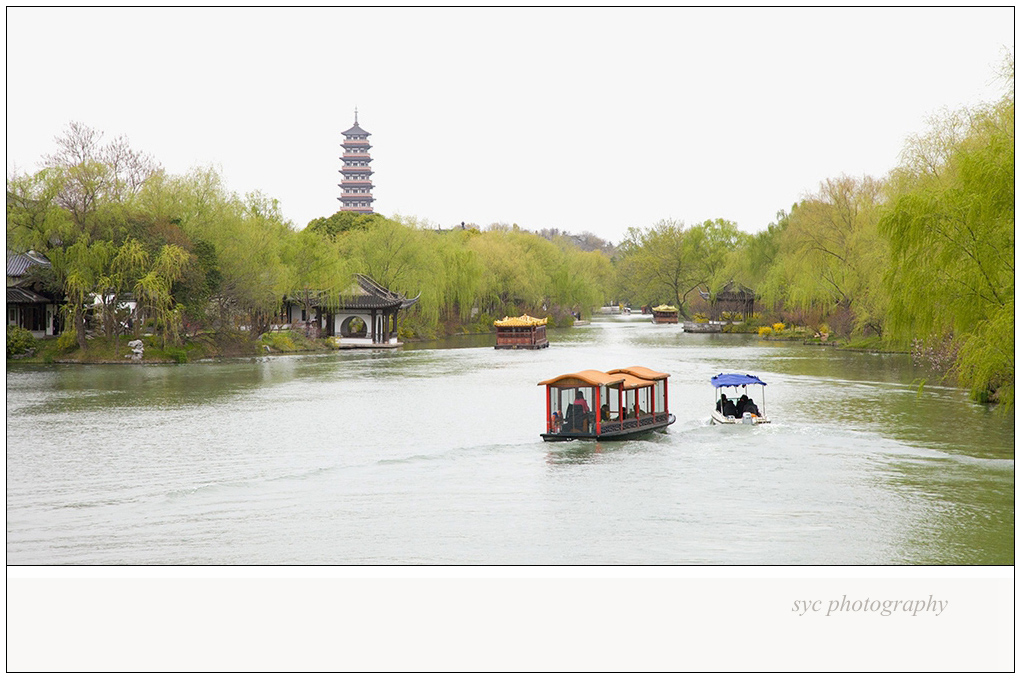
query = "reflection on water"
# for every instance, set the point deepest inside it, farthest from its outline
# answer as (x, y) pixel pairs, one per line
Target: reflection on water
(432, 454)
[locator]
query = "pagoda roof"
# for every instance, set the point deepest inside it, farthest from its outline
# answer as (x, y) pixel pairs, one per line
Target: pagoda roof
(355, 130)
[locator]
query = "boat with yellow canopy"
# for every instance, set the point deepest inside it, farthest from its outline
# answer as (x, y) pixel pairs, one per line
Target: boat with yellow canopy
(607, 405)
(521, 332)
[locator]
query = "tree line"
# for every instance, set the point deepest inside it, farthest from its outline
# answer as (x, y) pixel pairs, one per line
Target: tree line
(195, 258)
(923, 257)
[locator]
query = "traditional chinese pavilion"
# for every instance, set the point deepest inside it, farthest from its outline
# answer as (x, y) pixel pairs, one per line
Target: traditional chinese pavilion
(356, 187)
(664, 314)
(364, 315)
(521, 332)
(732, 298)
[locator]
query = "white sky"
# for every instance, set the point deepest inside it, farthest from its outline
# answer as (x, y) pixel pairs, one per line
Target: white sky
(578, 119)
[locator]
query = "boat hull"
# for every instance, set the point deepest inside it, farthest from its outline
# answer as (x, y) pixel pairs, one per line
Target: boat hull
(748, 420)
(623, 434)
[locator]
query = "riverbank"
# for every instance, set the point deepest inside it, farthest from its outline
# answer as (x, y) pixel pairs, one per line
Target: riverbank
(225, 345)
(219, 345)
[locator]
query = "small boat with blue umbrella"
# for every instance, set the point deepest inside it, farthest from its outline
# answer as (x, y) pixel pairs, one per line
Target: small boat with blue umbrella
(741, 409)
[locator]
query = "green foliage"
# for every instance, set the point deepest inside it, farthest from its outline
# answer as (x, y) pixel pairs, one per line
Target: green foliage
(340, 222)
(830, 253)
(19, 341)
(950, 225)
(279, 341)
(986, 358)
(667, 263)
(178, 355)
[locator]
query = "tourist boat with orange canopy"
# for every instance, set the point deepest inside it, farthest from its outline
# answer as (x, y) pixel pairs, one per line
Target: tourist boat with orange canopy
(611, 405)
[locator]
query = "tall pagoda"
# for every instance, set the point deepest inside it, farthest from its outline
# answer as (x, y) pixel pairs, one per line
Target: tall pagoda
(356, 187)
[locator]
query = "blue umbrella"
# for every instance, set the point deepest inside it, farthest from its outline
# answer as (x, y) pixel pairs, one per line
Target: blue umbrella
(735, 380)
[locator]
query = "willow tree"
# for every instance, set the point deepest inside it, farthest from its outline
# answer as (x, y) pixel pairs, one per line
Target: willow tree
(513, 276)
(154, 292)
(713, 244)
(751, 261)
(316, 272)
(831, 257)
(78, 268)
(585, 278)
(659, 264)
(462, 275)
(951, 231)
(34, 220)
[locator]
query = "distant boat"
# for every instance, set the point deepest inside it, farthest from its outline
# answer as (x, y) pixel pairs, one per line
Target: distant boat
(614, 405)
(664, 314)
(521, 332)
(742, 410)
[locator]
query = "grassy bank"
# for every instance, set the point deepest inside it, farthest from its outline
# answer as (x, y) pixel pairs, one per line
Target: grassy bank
(202, 346)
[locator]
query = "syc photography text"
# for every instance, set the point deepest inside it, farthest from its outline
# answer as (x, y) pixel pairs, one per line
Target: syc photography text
(882, 607)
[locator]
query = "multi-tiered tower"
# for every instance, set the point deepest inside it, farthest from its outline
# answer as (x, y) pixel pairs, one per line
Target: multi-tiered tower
(356, 187)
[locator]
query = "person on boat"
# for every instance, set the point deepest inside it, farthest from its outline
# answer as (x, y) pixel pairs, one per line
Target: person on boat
(746, 406)
(604, 412)
(579, 401)
(741, 404)
(750, 407)
(726, 407)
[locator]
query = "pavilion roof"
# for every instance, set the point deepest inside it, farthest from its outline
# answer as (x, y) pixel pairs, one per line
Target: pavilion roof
(18, 263)
(24, 295)
(366, 293)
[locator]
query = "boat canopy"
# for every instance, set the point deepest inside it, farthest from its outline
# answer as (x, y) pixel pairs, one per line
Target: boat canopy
(664, 308)
(643, 373)
(735, 380)
(590, 377)
(633, 382)
(523, 320)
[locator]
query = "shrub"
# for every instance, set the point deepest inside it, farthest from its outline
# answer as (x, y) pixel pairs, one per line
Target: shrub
(765, 331)
(19, 341)
(779, 327)
(282, 341)
(67, 341)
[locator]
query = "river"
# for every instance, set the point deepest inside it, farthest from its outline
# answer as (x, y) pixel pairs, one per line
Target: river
(431, 454)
